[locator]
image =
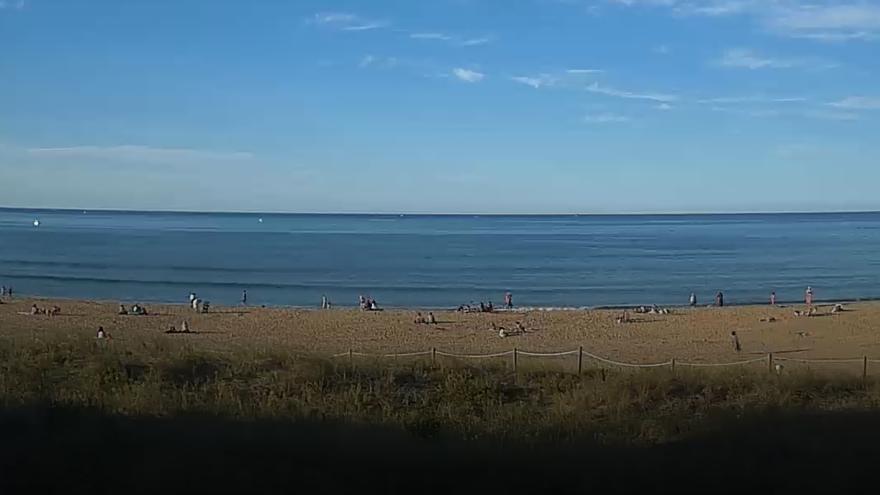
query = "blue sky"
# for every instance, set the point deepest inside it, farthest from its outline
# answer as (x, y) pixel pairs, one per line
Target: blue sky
(490, 106)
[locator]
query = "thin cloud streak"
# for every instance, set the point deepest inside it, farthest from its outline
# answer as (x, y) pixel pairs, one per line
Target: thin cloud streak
(617, 93)
(857, 103)
(467, 75)
(140, 153)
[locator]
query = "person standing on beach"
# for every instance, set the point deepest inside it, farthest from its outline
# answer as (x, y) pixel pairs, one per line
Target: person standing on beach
(735, 338)
(773, 298)
(323, 302)
(808, 296)
(244, 297)
(693, 299)
(508, 300)
(719, 299)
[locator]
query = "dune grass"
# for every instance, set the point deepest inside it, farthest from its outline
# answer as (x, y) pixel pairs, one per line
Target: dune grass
(157, 379)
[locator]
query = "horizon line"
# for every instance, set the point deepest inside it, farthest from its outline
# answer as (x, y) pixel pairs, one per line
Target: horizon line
(435, 214)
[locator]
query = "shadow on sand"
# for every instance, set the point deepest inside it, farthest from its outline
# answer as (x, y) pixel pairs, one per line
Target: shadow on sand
(82, 451)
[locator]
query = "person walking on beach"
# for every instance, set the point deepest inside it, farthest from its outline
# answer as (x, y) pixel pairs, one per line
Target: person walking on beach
(244, 297)
(508, 300)
(735, 338)
(808, 296)
(693, 299)
(719, 299)
(773, 298)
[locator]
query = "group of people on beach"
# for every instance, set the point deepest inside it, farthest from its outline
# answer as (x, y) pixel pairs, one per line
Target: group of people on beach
(425, 320)
(136, 310)
(6, 291)
(719, 298)
(367, 303)
(519, 329)
(53, 311)
(486, 307)
(473, 308)
(199, 305)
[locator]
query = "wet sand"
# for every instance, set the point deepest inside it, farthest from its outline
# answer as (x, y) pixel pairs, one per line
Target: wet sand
(700, 335)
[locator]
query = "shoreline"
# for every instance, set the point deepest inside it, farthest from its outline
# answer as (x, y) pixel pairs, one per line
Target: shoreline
(497, 309)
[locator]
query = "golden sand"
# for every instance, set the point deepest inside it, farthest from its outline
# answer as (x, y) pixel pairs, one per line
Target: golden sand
(688, 335)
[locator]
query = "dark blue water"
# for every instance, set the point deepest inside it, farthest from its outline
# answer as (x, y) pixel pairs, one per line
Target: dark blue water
(439, 260)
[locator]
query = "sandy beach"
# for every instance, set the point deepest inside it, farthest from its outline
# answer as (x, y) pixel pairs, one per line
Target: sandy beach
(699, 335)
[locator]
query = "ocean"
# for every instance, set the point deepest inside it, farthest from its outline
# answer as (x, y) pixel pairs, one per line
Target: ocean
(439, 261)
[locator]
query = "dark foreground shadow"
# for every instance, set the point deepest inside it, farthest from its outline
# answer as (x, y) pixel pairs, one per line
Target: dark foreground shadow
(74, 451)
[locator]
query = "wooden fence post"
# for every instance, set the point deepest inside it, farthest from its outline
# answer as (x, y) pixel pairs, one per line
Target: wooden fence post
(770, 362)
(580, 359)
(673, 366)
(350, 358)
(433, 356)
(865, 371)
(514, 359)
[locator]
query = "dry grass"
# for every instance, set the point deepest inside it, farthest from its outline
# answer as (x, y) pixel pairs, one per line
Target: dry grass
(138, 416)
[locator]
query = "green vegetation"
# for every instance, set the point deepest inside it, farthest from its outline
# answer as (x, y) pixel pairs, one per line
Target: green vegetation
(412, 410)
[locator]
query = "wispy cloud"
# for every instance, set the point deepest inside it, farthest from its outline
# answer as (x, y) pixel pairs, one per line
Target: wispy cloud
(664, 107)
(584, 71)
(139, 153)
(821, 20)
(467, 75)
(450, 38)
(742, 58)
(730, 100)
(857, 103)
(537, 82)
(573, 78)
(830, 115)
(605, 118)
(810, 113)
(831, 21)
(347, 22)
(431, 36)
(12, 4)
(618, 93)
(476, 41)
(374, 61)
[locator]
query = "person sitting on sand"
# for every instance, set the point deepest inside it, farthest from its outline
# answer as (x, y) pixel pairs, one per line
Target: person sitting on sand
(122, 310)
(35, 310)
(419, 319)
(735, 338)
(138, 310)
(431, 319)
(102, 334)
(520, 328)
(373, 305)
(623, 318)
(184, 327)
(838, 308)
(54, 311)
(502, 332)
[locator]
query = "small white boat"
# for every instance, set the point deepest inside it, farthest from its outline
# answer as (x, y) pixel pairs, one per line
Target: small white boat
(36, 223)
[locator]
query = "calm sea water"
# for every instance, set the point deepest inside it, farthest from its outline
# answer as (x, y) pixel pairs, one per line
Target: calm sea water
(438, 261)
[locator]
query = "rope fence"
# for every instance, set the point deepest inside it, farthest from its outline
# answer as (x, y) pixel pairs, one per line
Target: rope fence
(773, 362)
